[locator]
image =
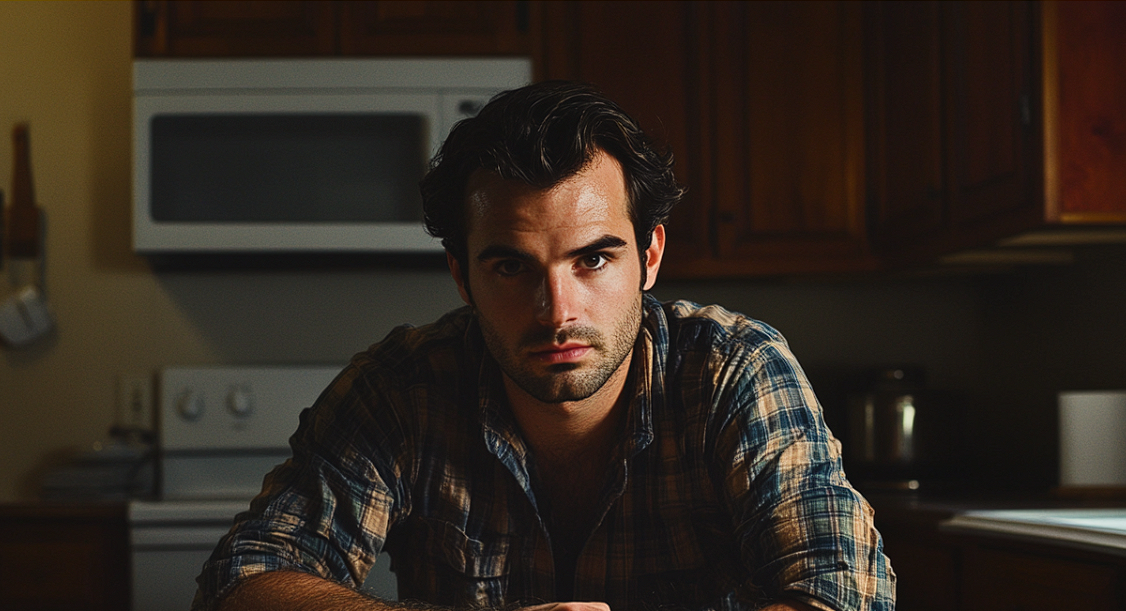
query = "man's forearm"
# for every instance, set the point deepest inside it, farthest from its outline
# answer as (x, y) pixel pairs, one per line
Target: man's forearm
(294, 591)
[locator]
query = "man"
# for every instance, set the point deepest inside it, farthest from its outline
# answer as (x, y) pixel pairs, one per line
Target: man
(564, 437)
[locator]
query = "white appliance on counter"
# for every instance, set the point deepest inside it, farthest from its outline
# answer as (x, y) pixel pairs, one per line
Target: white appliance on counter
(220, 430)
(287, 156)
(1092, 439)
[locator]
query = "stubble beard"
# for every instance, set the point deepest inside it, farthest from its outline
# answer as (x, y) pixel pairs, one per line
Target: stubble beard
(566, 381)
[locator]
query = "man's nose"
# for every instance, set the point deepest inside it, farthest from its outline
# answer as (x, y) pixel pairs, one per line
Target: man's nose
(555, 300)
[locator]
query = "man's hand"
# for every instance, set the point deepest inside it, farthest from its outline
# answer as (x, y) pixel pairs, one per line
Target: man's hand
(572, 606)
(789, 606)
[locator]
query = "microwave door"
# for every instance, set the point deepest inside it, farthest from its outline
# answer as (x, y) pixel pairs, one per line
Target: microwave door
(235, 173)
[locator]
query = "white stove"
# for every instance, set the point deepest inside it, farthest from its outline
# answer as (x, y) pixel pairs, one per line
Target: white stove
(220, 430)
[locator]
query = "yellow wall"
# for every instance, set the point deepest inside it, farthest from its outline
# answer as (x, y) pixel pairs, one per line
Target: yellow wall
(65, 68)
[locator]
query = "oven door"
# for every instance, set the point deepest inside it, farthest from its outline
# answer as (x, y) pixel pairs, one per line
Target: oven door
(170, 541)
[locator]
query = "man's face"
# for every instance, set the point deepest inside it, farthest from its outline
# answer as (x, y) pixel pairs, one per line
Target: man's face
(555, 278)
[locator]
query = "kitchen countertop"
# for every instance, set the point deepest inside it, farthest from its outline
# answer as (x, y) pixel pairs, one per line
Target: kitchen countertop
(1100, 530)
(1093, 522)
(961, 549)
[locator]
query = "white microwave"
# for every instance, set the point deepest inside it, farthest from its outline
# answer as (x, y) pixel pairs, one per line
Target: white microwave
(295, 156)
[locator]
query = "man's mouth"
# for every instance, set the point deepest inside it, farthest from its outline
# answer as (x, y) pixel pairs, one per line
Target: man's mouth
(567, 353)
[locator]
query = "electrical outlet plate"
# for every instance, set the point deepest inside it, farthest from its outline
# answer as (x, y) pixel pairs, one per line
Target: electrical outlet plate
(135, 401)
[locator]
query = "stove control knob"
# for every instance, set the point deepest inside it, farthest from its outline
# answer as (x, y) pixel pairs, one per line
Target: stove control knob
(240, 401)
(190, 405)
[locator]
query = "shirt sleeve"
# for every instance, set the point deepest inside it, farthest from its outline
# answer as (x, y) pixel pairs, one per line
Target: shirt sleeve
(803, 531)
(325, 511)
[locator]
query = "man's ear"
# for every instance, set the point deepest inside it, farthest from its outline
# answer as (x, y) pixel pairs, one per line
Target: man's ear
(653, 256)
(459, 278)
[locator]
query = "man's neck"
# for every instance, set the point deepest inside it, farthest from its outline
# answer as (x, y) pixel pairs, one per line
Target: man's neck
(559, 431)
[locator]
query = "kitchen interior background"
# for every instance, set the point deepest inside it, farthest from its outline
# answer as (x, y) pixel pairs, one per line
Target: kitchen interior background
(1006, 342)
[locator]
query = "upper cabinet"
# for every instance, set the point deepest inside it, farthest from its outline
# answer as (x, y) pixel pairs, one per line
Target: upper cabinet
(906, 181)
(762, 104)
(214, 28)
(419, 27)
(785, 130)
(646, 56)
(992, 119)
(1084, 117)
(954, 141)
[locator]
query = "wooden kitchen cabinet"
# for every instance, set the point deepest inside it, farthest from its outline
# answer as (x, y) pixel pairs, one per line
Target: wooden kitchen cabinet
(939, 569)
(991, 137)
(905, 171)
(988, 120)
(62, 556)
(1000, 576)
(1084, 52)
(762, 105)
(435, 28)
(647, 57)
(786, 130)
(207, 28)
(927, 562)
(954, 141)
(311, 28)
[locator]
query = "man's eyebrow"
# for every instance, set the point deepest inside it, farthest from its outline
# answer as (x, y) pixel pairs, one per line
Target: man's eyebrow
(606, 242)
(498, 251)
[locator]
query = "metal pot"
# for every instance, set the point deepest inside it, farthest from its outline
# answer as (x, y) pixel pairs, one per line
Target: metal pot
(899, 433)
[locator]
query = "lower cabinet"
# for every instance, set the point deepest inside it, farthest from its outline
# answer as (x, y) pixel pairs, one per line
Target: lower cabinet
(64, 557)
(942, 571)
(996, 579)
(926, 560)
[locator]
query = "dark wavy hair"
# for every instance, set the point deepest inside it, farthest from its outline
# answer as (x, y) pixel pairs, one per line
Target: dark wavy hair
(541, 135)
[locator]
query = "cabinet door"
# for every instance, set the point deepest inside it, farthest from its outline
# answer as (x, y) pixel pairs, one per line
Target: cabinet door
(905, 175)
(644, 56)
(995, 579)
(954, 144)
(200, 28)
(1085, 111)
(990, 106)
(926, 574)
(787, 130)
(419, 27)
(212, 28)
(64, 557)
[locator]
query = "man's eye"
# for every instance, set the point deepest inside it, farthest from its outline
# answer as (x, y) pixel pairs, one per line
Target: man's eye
(597, 261)
(509, 267)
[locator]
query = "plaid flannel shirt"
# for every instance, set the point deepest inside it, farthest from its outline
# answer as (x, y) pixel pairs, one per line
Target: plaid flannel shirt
(726, 491)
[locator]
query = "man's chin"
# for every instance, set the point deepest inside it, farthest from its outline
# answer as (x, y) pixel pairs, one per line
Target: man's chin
(557, 389)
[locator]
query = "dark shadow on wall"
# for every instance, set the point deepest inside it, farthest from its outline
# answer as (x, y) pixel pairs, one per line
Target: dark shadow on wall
(1046, 330)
